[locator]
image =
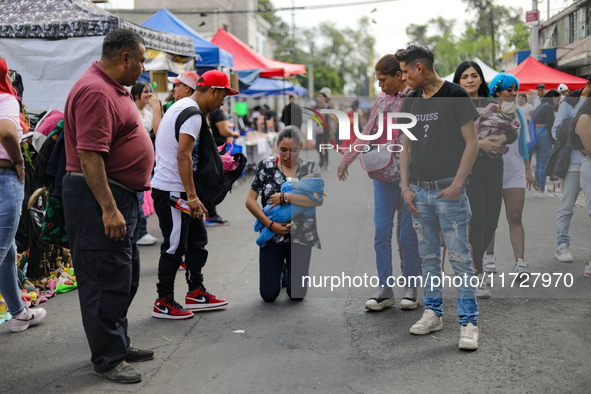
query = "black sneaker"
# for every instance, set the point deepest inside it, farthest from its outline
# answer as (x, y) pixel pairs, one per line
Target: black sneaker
(383, 298)
(122, 373)
(216, 221)
(136, 355)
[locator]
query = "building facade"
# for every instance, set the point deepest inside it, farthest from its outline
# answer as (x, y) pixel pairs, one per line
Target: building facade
(238, 17)
(564, 42)
(570, 33)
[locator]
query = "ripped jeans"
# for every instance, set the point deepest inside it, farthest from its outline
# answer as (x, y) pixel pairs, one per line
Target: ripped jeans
(451, 218)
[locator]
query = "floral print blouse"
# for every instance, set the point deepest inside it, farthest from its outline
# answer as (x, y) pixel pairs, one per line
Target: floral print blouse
(267, 181)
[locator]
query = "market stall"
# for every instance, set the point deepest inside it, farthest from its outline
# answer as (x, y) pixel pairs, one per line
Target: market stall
(531, 72)
(52, 43)
(207, 54)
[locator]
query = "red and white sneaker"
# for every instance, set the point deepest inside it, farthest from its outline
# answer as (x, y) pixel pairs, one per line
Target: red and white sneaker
(201, 299)
(165, 308)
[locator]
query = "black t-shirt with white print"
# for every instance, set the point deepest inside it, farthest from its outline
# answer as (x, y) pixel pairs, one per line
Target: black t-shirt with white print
(439, 147)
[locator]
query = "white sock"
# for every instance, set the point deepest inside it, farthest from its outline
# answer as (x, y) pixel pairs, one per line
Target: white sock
(22, 314)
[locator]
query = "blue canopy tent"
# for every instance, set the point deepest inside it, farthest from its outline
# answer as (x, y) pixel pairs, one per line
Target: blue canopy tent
(272, 87)
(208, 54)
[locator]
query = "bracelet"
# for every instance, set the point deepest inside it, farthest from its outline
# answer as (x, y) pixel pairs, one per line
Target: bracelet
(528, 168)
(403, 190)
(271, 225)
(195, 199)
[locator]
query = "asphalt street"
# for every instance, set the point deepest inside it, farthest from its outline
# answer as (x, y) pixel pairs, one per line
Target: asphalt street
(532, 340)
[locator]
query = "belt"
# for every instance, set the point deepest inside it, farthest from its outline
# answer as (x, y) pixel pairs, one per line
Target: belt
(109, 180)
(431, 185)
(6, 163)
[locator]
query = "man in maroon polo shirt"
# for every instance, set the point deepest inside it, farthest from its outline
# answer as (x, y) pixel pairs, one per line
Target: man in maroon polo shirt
(109, 159)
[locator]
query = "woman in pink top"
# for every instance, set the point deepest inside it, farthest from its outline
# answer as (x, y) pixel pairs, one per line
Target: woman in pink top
(12, 190)
(387, 193)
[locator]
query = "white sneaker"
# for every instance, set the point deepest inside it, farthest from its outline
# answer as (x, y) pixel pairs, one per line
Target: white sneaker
(588, 270)
(563, 254)
(147, 240)
(383, 298)
(409, 302)
(426, 324)
(468, 337)
(545, 194)
(482, 291)
(24, 320)
(489, 263)
(522, 270)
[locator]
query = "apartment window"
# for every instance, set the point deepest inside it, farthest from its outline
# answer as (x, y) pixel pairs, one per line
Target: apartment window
(573, 27)
(586, 17)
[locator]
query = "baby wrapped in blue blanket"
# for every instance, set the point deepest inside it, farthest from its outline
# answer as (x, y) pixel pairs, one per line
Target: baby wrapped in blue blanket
(309, 186)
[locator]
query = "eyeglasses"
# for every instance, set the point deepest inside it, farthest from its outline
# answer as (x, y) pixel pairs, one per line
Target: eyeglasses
(285, 152)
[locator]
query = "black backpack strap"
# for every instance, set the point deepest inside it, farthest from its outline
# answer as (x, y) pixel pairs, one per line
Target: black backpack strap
(533, 118)
(182, 118)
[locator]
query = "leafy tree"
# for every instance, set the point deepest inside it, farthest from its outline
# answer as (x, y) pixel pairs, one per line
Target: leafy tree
(341, 56)
(284, 45)
(346, 53)
(443, 43)
(519, 38)
(497, 22)
(509, 31)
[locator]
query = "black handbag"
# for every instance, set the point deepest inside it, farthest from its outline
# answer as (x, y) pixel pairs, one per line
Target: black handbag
(559, 160)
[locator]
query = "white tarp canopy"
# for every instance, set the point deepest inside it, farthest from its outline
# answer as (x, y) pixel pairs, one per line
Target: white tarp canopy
(489, 72)
(49, 68)
(52, 43)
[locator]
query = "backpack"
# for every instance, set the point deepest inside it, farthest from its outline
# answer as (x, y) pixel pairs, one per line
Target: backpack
(212, 184)
(564, 129)
(533, 136)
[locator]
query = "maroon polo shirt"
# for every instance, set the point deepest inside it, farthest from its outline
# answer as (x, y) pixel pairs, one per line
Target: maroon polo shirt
(100, 116)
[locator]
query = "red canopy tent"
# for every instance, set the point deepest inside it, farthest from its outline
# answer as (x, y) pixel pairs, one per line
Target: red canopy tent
(531, 72)
(245, 58)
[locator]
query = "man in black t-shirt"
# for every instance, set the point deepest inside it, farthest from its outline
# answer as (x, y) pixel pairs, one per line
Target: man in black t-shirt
(292, 114)
(220, 127)
(221, 130)
(433, 168)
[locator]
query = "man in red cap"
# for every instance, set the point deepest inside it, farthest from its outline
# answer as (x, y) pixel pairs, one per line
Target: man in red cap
(176, 159)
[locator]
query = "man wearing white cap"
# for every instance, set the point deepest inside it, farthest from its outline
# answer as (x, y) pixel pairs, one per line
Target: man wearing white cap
(183, 85)
(563, 90)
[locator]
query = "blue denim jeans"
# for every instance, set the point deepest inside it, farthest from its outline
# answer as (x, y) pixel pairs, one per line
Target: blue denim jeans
(543, 149)
(143, 221)
(586, 183)
(450, 217)
(386, 197)
(570, 192)
(12, 192)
